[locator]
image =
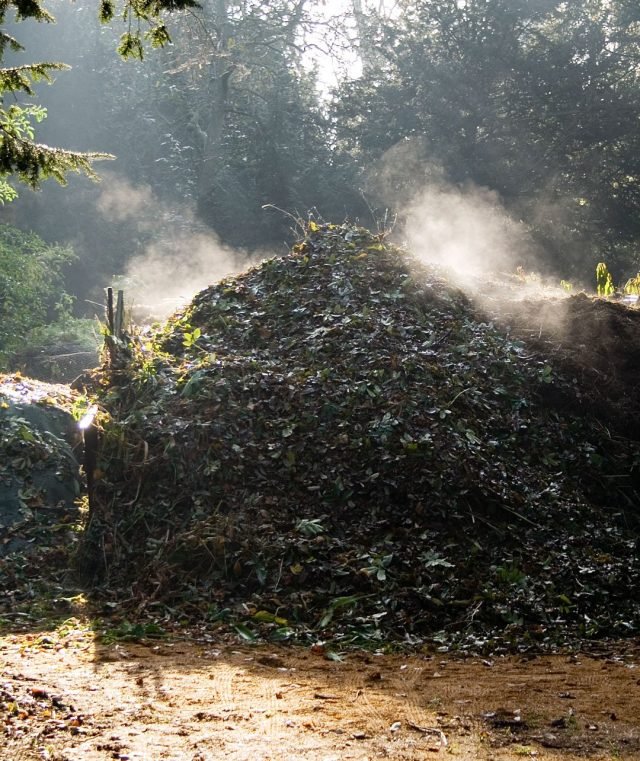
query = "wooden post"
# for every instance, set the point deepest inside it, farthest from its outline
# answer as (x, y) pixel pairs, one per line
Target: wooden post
(118, 323)
(110, 321)
(115, 326)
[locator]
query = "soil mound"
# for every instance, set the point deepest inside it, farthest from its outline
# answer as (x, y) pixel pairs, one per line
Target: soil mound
(337, 442)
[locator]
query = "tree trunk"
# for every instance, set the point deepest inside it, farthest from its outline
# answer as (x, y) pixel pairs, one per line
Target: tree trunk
(211, 123)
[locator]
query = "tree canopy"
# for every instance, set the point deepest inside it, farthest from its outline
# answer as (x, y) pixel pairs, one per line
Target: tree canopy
(20, 154)
(538, 102)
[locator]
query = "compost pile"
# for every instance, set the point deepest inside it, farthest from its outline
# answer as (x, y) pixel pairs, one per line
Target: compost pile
(337, 443)
(595, 340)
(39, 489)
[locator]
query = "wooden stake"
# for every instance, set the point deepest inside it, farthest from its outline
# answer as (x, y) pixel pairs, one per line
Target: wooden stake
(118, 325)
(110, 321)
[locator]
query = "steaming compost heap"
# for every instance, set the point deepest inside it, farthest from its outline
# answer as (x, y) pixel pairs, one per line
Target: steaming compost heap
(337, 443)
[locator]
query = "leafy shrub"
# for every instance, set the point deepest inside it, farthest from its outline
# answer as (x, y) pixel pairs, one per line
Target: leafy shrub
(604, 281)
(31, 286)
(632, 286)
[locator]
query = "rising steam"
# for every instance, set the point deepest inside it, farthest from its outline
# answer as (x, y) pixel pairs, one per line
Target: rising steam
(171, 272)
(465, 230)
(121, 201)
(180, 256)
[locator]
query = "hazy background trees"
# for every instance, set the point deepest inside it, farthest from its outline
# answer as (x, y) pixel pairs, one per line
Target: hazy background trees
(535, 100)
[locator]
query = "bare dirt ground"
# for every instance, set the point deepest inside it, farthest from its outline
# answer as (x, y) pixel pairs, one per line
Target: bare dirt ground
(64, 696)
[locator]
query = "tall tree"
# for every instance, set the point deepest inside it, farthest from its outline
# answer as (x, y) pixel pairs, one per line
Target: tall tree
(240, 63)
(229, 122)
(20, 154)
(241, 123)
(537, 100)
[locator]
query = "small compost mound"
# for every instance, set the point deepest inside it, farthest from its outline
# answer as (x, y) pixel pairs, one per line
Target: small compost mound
(596, 341)
(39, 487)
(338, 442)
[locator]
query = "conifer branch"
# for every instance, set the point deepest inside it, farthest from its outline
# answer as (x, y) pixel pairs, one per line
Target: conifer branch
(20, 78)
(34, 162)
(20, 155)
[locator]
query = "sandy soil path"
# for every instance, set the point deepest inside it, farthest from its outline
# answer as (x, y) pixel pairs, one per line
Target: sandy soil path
(65, 697)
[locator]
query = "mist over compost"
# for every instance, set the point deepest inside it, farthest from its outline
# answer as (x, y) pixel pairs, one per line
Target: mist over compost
(180, 257)
(338, 443)
(466, 230)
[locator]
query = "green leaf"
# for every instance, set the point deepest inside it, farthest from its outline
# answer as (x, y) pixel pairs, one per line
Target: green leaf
(310, 527)
(245, 632)
(270, 618)
(432, 559)
(337, 604)
(158, 36)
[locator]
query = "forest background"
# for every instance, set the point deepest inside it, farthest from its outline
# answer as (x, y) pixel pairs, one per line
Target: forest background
(258, 113)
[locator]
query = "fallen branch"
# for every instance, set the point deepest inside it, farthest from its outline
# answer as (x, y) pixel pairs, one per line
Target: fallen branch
(430, 731)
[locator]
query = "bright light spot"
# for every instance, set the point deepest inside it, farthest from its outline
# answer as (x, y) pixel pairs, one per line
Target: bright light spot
(87, 419)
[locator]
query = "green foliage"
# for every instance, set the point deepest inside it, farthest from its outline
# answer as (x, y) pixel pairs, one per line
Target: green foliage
(632, 286)
(25, 9)
(433, 559)
(190, 337)
(310, 527)
(31, 285)
(20, 78)
(80, 331)
(31, 162)
(510, 575)
(131, 46)
(344, 602)
(377, 565)
(107, 11)
(60, 350)
(7, 192)
(20, 154)
(460, 88)
(604, 281)
(150, 12)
